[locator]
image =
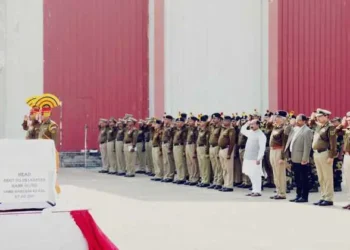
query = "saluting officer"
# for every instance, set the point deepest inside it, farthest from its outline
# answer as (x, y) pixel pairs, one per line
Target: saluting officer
(267, 130)
(325, 149)
(149, 132)
(167, 148)
(119, 148)
(157, 153)
(203, 151)
(191, 153)
(179, 140)
(215, 130)
(278, 141)
(338, 161)
(141, 147)
(130, 141)
(345, 127)
(102, 139)
(111, 135)
(226, 143)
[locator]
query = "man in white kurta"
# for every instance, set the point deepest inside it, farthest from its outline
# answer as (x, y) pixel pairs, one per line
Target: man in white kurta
(254, 153)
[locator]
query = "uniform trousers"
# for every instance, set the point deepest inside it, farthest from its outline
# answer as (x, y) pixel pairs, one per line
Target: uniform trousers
(119, 151)
(245, 177)
(346, 173)
(149, 158)
(267, 166)
(192, 163)
(227, 167)
(204, 165)
(112, 161)
(157, 159)
(141, 156)
(215, 164)
(130, 159)
(168, 162)
(237, 166)
(325, 175)
(254, 171)
(104, 156)
(279, 171)
(179, 157)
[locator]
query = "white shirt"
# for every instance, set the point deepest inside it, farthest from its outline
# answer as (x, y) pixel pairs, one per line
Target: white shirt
(256, 144)
(297, 131)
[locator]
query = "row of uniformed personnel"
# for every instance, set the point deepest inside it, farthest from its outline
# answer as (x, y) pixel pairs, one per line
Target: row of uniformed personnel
(211, 152)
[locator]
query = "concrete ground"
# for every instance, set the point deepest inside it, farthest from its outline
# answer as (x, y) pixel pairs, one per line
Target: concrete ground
(140, 214)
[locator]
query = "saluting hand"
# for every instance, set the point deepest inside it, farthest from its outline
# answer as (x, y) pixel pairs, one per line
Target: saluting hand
(343, 122)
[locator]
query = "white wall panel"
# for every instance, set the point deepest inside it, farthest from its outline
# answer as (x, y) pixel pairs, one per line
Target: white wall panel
(216, 56)
(22, 75)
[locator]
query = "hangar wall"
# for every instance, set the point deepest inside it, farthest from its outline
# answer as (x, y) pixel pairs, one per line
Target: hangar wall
(216, 56)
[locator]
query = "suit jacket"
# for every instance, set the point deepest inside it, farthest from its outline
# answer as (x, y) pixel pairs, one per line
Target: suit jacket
(301, 145)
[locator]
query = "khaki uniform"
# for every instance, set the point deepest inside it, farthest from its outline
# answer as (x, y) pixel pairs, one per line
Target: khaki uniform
(130, 141)
(167, 149)
(278, 141)
(148, 141)
(214, 155)
(157, 154)
(119, 151)
(112, 160)
(242, 141)
(33, 130)
(141, 150)
(203, 155)
(325, 146)
(226, 143)
(191, 154)
(102, 139)
(179, 141)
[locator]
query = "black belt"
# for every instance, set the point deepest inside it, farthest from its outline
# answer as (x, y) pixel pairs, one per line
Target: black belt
(178, 144)
(241, 147)
(120, 140)
(224, 147)
(110, 140)
(139, 141)
(320, 151)
(156, 146)
(190, 143)
(213, 145)
(200, 145)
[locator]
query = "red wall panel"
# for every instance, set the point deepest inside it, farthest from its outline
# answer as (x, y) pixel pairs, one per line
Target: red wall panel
(96, 62)
(314, 55)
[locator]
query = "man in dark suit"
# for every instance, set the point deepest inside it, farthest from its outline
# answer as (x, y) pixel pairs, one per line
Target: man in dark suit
(298, 148)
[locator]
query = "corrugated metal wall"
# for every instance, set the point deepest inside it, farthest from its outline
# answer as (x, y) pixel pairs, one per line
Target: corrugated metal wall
(96, 61)
(314, 55)
(216, 56)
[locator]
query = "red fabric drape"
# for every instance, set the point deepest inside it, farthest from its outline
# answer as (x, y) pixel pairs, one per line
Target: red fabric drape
(94, 236)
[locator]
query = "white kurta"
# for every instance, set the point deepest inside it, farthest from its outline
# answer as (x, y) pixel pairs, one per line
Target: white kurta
(254, 151)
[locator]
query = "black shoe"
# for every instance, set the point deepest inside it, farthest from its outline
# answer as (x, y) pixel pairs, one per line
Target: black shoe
(301, 200)
(269, 185)
(237, 184)
(250, 189)
(168, 180)
(337, 189)
(120, 174)
(326, 203)
(112, 172)
(226, 189)
(180, 182)
(193, 183)
(204, 185)
(212, 186)
(294, 200)
(103, 171)
(247, 186)
(318, 203)
(218, 187)
(156, 179)
(288, 191)
(314, 190)
(242, 185)
(129, 175)
(187, 183)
